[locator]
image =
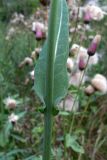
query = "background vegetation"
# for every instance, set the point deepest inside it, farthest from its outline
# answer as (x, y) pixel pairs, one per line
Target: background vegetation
(23, 140)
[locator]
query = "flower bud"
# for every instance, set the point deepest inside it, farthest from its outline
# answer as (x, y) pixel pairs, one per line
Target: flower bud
(13, 118)
(33, 55)
(26, 61)
(10, 103)
(82, 64)
(86, 18)
(93, 47)
(39, 30)
(32, 75)
(39, 34)
(95, 12)
(99, 82)
(89, 90)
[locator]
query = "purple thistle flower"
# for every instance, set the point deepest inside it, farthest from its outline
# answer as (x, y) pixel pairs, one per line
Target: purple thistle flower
(39, 34)
(82, 64)
(93, 47)
(87, 17)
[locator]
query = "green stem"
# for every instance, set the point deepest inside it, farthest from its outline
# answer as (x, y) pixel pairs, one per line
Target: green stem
(97, 142)
(64, 131)
(80, 154)
(50, 80)
(84, 113)
(47, 136)
(79, 87)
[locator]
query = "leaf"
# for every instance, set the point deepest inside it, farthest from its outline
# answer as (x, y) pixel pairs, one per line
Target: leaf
(12, 153)
(33, 158)
(18, 138)
(22, 114)
(71, 141)
(3, 141)
(64, 113)
(4, 134)
(61, 50)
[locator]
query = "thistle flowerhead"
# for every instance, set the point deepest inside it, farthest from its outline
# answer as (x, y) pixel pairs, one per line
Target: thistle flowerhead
(39, 30)
(86, 17)
(10, 103)
(89, 90)
(82, 64)
(39, 34)
(32, 75)
(13, 118)
(99, 82)
(94, 44)
(26, 61)
(95, 12)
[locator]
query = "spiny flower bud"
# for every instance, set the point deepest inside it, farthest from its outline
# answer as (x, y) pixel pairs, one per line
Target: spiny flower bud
(89, 90)
(39, 30)
(13, 118)
(99, 82)
(93, 47)
(32, 75)
(26, 61)
(82, 64)
(86, 17)
(39, 34)
(10, 103)
(96, 12)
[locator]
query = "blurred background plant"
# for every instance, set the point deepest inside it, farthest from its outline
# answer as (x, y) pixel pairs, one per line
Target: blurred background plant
(21, 127)
(8, 7)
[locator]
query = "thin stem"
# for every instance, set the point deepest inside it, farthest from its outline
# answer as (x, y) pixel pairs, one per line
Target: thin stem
(64, 130)
(96, 142)
(81, 79)
(76, 24)
(47, 136)
(83, 140)
(84, 112)
(50, 80)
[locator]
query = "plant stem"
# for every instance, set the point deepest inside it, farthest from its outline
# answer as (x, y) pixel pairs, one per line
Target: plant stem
(83, 114)
(97, 142)
(50, 80)
(79, 87)
(76, 24)
(64, 132)
(47, 136)
(83, 140)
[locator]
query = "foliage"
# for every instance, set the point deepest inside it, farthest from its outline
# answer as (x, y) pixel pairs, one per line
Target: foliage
(8, 7)
(23, 140)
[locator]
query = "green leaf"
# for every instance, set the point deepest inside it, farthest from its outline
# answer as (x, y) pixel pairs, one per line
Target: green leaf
(4, 134)
(61, 49)
(18, 138)
(3, 141)
(55, 111)
(64, 113)
(71, 141)
(33, 158)
(12, 153)
(22, 114)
